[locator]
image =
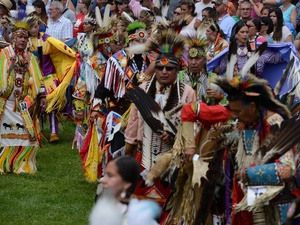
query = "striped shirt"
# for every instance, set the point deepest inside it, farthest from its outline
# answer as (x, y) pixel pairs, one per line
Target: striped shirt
(60, 29)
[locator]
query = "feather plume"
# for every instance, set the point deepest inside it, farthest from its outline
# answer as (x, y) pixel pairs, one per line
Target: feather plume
(128, 17)
(162, 20)
(251, 84)
(150, 111)
(106, 15)
(98, 16)
(164, 10)
(147, 19)
(280, 140)
(167, 41)
(253, 59)
(157, 4)
(232, 59)
(280, 83)
(136, 49)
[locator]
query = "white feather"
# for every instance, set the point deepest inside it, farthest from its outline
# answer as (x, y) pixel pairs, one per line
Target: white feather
(294, 75)
(98, 17)
(129, 18)
(136, 49)
(251, 61)
(164, 10)
(230, 66)
(106, 15)
(162, 20)
(253, 58)
(157, 4)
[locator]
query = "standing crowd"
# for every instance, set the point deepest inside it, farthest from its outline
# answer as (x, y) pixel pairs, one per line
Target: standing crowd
(186, 112)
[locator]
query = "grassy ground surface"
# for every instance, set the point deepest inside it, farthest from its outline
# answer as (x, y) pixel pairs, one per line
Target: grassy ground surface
(56, 195)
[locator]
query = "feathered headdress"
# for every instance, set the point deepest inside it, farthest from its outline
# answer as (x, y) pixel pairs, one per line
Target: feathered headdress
(137, 29)
(168, 45)
(104, 34)
(90, 18)
(249, 86)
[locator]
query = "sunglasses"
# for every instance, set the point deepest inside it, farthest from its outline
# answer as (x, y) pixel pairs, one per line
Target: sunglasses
(168, 68)
(177, 13)
(120, 3)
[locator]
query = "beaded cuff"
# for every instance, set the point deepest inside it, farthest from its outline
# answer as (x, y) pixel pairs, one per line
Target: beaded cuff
(263, 175)
(282, 209)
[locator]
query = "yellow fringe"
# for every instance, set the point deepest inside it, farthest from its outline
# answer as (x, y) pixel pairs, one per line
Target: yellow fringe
(92, 161)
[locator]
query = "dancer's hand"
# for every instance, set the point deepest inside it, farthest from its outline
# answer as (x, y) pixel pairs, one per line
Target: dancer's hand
(94, 116)
(189, 153)
(79, 115)
(43, 103)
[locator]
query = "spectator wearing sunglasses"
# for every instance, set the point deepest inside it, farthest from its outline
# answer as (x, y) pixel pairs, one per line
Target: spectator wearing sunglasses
(266, 28)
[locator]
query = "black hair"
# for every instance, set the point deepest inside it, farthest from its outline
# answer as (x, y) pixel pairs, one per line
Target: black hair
(41, 4)
(277, 35)
(268, 22)
(257, 24)
(129, 170)
(212, 13)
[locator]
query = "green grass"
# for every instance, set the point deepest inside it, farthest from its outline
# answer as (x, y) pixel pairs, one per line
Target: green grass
(56, 195)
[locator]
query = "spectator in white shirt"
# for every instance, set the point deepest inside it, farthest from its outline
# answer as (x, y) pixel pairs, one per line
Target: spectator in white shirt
(58, 26)
(202, 5)
(68, 13)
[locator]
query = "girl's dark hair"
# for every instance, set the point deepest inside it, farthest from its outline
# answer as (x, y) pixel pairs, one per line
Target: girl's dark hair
(212, 13)
(268, 22)
(191, 5)
(257, 24)
(129, 170)
(277, 35)
(41, 4)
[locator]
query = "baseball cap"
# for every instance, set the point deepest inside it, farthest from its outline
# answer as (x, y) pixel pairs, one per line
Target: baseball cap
(220, 2)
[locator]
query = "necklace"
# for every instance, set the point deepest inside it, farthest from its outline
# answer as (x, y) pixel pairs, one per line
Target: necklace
(242, 50)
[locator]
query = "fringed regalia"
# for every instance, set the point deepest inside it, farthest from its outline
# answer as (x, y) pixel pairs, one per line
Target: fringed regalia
(48, 50)
(20, 84)
(271, 180)
(185, 201)
(150, 146)
(266, 156)
(121, 72)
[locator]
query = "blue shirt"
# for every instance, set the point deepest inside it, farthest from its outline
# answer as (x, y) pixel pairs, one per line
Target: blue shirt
(226, 23)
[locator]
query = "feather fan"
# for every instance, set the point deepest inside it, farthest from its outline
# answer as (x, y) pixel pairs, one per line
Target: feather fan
(280, 140)
(150, 111)
(253, 59)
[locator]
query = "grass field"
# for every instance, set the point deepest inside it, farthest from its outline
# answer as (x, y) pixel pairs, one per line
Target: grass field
(56, 195)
